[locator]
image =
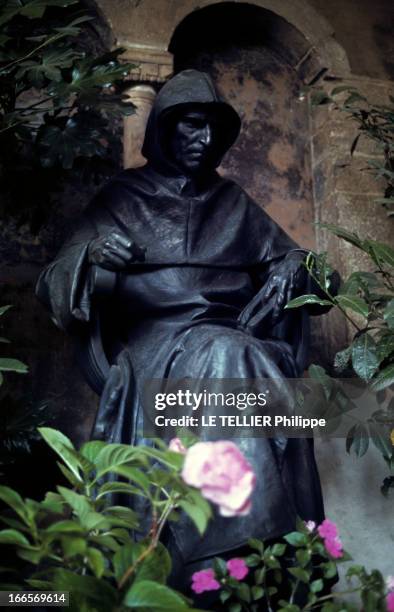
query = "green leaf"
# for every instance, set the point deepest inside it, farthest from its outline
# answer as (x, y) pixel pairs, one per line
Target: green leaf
(113, 456)
(124, 558)
(61, 143)
(117, 487)
(360, 440)
(69, 475)
(11, 536)
(51, 63)
(97, 592)
(257, 592)
(329, 569)
(353, 302)
(96, 561)
(307, 299)
(350, 438)
(384, 379)
(4, 309)
(62, 446)
(342, 359)
(135, 475)
(65, 526)
(295, 538)
(156, 566)
(155, 597)
(317, 585)
(381, 438)
(256, 545)
(73, 546)
(385, 345)
(343, 233)
(300, 573)
(303, 557)
(91, 450)
(383, 253)
(197, 515)
(278, 550)
(122, 516)
(365, 361)
(79, 503)
(319, 374)
(388, 314)
(13, 365)
(13, 499)
(253, 560)
(243, 592)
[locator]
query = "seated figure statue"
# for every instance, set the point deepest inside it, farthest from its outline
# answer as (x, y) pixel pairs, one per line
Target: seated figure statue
(197, 276)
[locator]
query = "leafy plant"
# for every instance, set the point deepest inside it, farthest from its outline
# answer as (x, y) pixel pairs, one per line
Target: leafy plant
(8, 364)
(294, 575)
(58, 105)
(366, 300)
(79, 538)
(376, 123)
(107, 553)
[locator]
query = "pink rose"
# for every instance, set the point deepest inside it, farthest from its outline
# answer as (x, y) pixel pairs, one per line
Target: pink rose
(204, 581)
(327, 529)
(176, 446)
(222, 474)
(390, 602)
(237, 568)
(334, 547)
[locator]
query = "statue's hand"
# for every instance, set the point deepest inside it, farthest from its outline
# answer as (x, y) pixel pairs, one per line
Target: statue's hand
(114, 251)
(285, 282)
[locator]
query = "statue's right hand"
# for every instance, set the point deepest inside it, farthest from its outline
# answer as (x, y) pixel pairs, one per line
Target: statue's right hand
(114, 251)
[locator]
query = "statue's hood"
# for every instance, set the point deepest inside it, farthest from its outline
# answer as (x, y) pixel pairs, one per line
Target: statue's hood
(185, 88)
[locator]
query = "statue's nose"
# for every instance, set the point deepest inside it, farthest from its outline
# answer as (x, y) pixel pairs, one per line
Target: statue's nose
(206, 135)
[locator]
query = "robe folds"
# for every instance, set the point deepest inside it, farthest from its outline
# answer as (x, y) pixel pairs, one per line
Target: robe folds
(209, 249)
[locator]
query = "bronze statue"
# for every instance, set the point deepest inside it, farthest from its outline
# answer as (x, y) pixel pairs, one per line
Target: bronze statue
(197, 276)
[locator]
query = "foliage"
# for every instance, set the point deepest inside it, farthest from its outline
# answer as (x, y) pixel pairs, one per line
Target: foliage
(301, 567)
(58, 103)
(6, 363)
(366, 299)
(108, 554)
(375, 122)
(78, 539)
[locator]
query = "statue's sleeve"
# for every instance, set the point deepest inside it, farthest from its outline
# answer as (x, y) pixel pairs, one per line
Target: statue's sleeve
(65, 285)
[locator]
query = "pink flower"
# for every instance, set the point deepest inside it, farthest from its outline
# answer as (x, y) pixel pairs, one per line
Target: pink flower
(222, 474)
(237, 568)
(334, 547)
(176, 446)
(310, 525)
(327, 529)
(204, 581)
(390, 583)
(390, 602)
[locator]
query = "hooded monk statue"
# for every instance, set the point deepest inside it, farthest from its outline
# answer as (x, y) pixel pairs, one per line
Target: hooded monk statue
(196, 276)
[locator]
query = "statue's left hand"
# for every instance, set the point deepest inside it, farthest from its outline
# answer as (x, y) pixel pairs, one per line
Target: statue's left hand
(285, 281)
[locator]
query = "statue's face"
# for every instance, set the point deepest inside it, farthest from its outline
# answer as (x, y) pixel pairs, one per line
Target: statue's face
(193, 143)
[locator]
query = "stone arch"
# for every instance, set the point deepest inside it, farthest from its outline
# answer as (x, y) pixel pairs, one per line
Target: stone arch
(147, 39)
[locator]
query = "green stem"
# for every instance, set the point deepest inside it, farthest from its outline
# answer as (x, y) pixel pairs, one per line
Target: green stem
(333, 300)
(316, 604)
(157, 527)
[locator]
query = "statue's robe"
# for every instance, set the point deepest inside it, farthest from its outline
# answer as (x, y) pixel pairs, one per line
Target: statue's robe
(209, 250)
